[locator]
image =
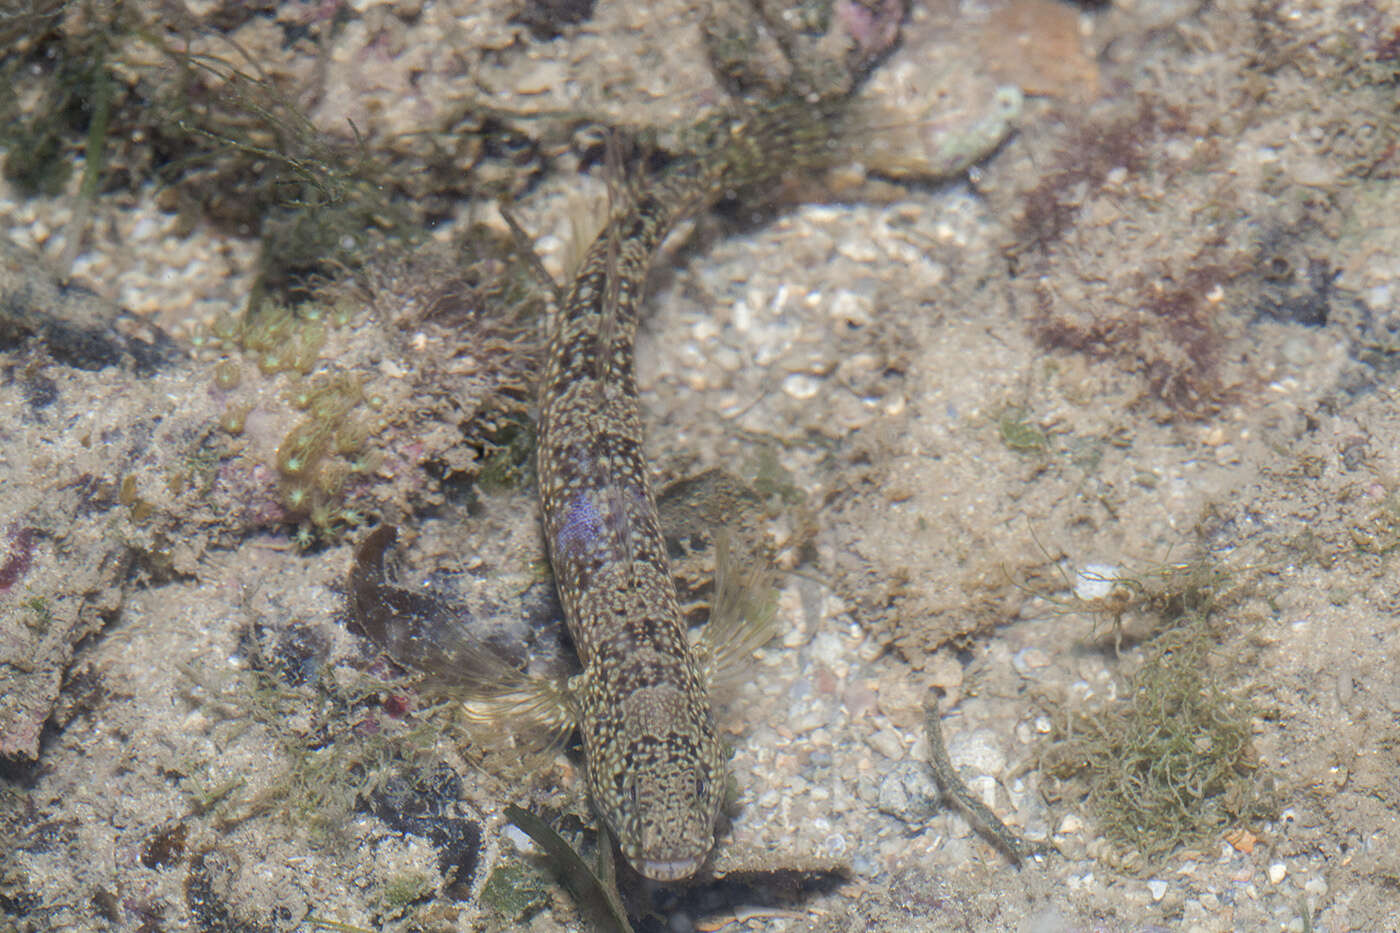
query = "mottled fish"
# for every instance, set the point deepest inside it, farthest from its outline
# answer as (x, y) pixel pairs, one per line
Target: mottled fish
(655, 764)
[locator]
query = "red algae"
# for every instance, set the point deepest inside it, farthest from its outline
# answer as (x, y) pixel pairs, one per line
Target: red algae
(19, 555)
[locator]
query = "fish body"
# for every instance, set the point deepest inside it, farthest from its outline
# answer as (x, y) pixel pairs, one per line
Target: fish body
(655, 764)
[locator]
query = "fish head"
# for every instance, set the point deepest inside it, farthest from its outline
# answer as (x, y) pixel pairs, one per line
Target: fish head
(659, 782)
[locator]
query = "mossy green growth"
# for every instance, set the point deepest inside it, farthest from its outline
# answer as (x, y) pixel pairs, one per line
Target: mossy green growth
(771, 479)
(336, 749)
(400, 892)
(225, 144)
(1018, 434)
(1379, 532)
(39, 615)
(250, 159)
(514, 891)
(42, 145)
(1171, 763)
(510, 453)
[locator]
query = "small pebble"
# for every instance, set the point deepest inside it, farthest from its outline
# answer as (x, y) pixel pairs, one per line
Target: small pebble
(945, 671)
(979, 751)
(849, 307)
(1029, 659)
(1277, 872)
(816, 715)
(860, 700)
(828, 648)
(1157, 888)
(801, 386)
(909, 793)
(902, 702)
(887, 743)
(858, 249)
(541, 78)
(705, 329)
(1296, 351)
(741, 316)
(727, 359)
(1047, 920)
(868, 789)
(796, 636)
(985, 787)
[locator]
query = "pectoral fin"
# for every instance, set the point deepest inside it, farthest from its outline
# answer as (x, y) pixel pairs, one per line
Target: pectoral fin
(429, 634)
(719, 507)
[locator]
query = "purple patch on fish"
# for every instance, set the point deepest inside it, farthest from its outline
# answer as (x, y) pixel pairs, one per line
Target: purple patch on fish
(581, 526)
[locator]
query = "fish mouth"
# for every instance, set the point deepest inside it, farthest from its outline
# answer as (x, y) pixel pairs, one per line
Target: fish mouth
(669, 869)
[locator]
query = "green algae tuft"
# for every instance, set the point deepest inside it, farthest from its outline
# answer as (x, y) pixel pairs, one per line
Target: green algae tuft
(1170, 764)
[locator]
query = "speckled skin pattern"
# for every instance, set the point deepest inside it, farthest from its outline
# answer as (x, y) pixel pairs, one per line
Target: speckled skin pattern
(655, 764)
